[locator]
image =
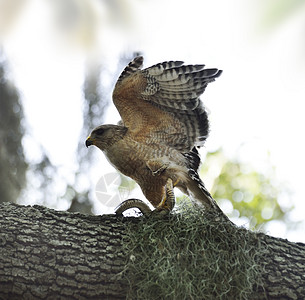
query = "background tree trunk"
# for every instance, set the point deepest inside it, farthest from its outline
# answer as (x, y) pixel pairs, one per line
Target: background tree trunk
(12, 162)
(60, 255)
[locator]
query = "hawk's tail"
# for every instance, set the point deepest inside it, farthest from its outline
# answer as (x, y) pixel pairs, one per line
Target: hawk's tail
(200, 193)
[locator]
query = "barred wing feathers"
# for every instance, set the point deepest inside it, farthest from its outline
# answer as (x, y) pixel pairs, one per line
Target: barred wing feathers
(162, 102)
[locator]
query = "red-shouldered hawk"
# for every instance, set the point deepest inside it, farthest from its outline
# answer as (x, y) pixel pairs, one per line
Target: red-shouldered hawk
(163, 121)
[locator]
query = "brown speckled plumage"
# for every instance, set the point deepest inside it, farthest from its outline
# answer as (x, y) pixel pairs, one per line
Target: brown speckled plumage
(163, 120)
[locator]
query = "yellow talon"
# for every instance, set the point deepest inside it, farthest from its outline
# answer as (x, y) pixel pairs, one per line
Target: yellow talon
(176, 182)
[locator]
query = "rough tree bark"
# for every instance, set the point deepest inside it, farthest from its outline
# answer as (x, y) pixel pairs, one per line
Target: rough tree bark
(47, 254)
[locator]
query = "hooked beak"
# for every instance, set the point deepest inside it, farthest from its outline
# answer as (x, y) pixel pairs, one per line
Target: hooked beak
(89, 142)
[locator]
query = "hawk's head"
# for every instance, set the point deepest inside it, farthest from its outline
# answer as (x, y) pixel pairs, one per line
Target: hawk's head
(105, 136)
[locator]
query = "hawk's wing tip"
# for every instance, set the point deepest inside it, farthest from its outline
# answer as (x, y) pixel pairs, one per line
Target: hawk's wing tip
(139, 59)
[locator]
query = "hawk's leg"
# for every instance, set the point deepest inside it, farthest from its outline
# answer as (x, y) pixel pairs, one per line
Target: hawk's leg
(157, 166)
(166, 205)
(168, 202)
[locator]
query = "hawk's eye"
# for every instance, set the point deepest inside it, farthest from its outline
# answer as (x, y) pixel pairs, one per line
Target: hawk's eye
(99, 131)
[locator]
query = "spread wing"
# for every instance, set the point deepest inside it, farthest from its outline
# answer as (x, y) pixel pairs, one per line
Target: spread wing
(161, 104)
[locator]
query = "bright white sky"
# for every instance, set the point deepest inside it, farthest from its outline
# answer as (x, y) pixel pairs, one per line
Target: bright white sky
(258, 102)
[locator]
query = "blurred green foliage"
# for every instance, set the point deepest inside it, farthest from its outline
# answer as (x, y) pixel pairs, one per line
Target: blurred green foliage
(253, 193)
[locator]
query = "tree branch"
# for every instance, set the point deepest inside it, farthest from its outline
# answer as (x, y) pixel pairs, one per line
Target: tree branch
(53, 254)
